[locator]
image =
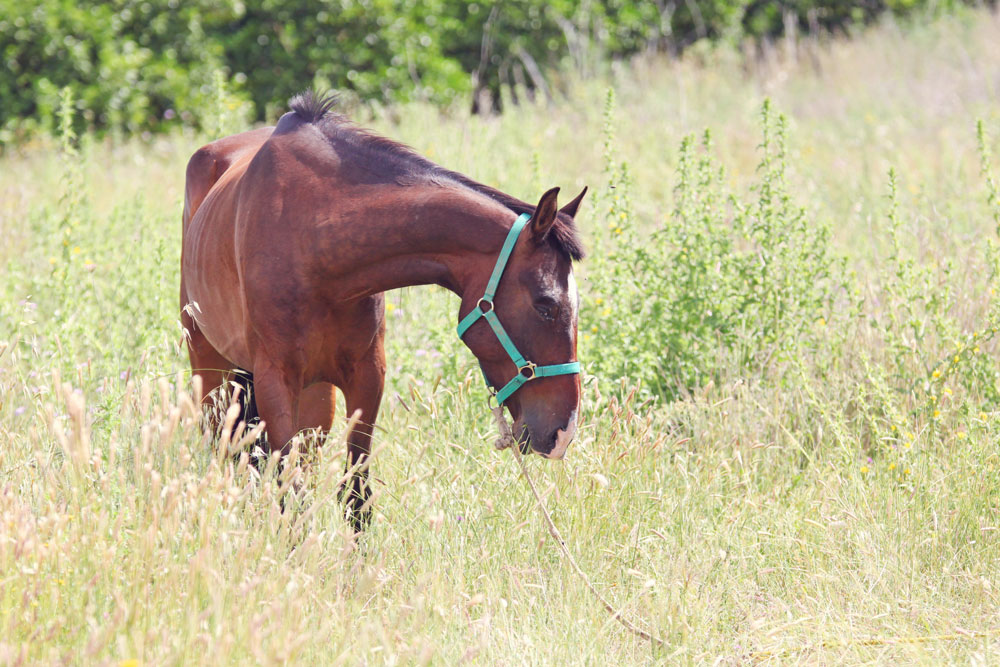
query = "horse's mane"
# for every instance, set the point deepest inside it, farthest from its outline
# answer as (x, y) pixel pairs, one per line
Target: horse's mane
(319, 110)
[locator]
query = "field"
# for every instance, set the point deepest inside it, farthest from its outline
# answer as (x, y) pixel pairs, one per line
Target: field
(791, 416)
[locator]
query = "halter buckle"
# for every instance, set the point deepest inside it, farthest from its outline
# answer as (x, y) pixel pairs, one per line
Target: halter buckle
(530, 368)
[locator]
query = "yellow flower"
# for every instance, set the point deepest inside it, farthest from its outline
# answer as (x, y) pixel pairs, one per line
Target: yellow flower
(593, 329)
(622, 216)
(892, 466)
(957, 358)
(598, 301)
(821, 321)
(389, 306)
(976, 349)
(618, 230)
(933, 398)
(131, 662)
(52, 260)
(947, 390)
(605, 312)
(893, 427)
(937, 413)
(907, 471)
(864, 469)
(982, 415)
(76, 250)
(936, 374)
(960, 435)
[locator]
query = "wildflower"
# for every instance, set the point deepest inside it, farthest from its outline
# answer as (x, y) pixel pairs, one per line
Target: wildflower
(864, 470)
(618, 230)
(20, 410)
(893, 427)
(892, 466)
(52, 260)
(906, 472)
(131, 662)
(622, 216)
(605, 312)
(76, 250)
(933, 398)
(976, 349)
(957, 358)
(937, 413)
(821, 321)
(936, 374)
(390, 306)
(961, 435)
(947, 390)
(593, 329)
(982, 416)
(598, 301)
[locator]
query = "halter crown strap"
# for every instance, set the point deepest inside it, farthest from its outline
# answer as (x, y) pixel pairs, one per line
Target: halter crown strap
(526, 370)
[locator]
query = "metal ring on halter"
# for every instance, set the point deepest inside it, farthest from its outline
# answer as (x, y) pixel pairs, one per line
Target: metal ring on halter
(479, 305)
(491, 400)
(528, 367)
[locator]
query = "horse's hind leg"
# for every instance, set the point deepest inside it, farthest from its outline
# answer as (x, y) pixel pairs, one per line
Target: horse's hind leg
(208, 364)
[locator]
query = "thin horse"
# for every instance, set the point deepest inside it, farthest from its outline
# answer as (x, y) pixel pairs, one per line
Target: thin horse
(291, 235)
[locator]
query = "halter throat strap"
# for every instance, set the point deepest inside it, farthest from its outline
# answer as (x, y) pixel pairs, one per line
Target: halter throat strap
(526, 370)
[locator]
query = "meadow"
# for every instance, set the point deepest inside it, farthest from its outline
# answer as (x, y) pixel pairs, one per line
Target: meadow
(788, 449)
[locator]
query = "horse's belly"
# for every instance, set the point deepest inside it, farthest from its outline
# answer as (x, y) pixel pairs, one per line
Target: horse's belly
(212, 283)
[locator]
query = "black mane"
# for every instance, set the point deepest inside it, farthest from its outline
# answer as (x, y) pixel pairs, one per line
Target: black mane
(317, 109)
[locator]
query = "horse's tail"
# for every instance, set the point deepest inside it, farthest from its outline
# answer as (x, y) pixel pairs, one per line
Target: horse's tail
(248, 403)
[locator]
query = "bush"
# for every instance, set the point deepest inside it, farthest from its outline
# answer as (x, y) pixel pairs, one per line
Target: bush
(724, 285)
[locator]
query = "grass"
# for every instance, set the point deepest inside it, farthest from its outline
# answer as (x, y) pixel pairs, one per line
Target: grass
(753, 514)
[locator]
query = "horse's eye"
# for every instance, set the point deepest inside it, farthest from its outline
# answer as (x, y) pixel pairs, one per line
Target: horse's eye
(547, 312)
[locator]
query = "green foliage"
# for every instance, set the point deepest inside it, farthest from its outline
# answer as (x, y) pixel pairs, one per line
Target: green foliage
(724, 285)
(148, 64)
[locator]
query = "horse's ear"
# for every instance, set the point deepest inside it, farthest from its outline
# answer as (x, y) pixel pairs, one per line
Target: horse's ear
(571, 208)
(545, 215)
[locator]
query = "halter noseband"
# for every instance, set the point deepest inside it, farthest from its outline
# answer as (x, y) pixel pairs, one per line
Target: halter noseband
(526, 370)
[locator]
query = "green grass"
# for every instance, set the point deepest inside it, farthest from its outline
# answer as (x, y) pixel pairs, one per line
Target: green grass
(843, 493)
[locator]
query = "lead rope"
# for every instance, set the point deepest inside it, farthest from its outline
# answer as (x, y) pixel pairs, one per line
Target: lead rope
(506, 440)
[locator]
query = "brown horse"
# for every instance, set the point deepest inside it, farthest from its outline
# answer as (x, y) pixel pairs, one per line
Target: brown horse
(293, 233)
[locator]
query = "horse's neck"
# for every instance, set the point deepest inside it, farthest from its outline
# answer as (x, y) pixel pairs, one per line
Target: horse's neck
(441, 237)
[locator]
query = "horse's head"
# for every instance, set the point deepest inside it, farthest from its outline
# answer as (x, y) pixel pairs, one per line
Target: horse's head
(535, 303)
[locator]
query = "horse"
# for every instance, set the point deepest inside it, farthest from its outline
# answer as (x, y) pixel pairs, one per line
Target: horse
(293, 233)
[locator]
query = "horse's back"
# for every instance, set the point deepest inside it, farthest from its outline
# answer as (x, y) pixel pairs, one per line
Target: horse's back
(212, 160)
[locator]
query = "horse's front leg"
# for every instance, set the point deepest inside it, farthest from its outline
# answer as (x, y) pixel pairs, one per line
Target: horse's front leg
(362, 392)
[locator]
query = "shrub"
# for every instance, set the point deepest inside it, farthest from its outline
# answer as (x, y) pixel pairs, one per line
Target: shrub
(725, 284)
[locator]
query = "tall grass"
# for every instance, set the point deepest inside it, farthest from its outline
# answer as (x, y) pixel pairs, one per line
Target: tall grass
(834, 477)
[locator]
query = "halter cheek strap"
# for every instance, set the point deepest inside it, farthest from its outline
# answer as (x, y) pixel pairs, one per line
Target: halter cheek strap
(526, 370)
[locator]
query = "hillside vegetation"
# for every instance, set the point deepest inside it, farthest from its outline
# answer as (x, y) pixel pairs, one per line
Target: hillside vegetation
(792, 407)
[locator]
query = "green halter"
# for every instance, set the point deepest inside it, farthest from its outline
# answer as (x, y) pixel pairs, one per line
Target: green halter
(526, 370)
